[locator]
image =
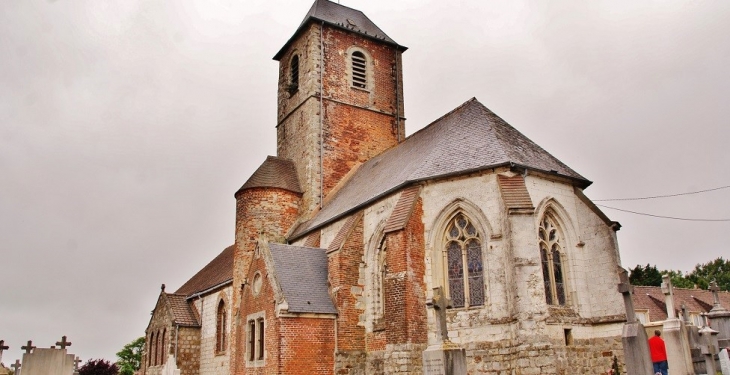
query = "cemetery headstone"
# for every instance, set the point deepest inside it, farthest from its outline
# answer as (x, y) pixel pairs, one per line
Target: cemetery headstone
(3, 348)
(28, 347)
(675, 335)
(719, 317)
(445, 357)
(709, 349)
(16, 367)
(635, 342)
(724, 362)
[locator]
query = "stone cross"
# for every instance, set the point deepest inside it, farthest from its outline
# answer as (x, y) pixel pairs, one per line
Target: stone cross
(625, 288)
(440, 303)
(3, 348)
(16, 367)
(76, 363)
(714, 289)
(668, 296)
(28, 347)
(685, 316)
(63, 343)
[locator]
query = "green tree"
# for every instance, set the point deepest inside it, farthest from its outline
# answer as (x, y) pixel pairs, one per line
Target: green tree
(130, 357)
(718, 270)
(646, 276)
(98, 367)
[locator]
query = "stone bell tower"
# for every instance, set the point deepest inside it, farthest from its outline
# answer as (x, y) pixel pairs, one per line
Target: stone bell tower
(340, 97)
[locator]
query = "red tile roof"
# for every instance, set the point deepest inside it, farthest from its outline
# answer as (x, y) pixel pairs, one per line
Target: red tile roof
(697, 301)
(274, 172)
(218, 271)
(182, 311)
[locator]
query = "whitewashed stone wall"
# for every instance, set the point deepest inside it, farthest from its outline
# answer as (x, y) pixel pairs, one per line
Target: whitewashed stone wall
(212, 363)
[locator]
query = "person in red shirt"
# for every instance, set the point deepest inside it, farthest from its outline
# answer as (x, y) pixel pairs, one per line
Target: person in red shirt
(658, 354)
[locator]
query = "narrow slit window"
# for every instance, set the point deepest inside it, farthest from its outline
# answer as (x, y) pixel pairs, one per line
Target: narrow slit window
(359, 76)
(261, 339)
(251, 340)
(220, 341)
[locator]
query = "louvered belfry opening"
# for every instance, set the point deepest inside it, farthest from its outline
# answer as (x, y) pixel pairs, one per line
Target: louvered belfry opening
(294, 78)
(358, 70)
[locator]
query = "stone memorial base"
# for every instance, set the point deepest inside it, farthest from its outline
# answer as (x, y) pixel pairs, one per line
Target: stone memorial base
(636, 350)
(444, 359)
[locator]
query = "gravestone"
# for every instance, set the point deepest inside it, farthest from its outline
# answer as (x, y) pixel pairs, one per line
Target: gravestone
(675, 335)
(3, 348)
(170, 367)
(16, 367)
(51, 361)
(724, 361)
(445, 357)
(708, 348)
(719, 317)
(633, 337)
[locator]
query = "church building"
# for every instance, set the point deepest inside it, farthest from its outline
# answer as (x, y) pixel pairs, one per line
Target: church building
(348, 235)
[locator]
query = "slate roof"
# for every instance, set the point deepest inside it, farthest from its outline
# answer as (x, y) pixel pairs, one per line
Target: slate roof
(342, 17)
(302, 275)
(697, 301)
(467, 139)
(182, 312)
(274, 172)
(218, 271)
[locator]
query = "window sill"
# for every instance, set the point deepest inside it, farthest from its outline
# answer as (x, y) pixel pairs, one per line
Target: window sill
(360, 88)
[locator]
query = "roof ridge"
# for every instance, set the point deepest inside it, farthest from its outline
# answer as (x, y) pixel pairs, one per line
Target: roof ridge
(447, 114)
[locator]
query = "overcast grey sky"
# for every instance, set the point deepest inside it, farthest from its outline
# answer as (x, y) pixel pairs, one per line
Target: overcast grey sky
(126, 126)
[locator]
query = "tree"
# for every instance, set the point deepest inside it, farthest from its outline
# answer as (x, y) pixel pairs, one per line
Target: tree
(98, 367)
(130, 357)
(718, 270)
(646, 276)
(678, 279)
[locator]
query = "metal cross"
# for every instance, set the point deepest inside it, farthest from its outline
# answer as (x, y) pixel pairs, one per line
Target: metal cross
(625, 288)
(714, 289)
(16, 366)
(3, 348)
(63, 343)
(76, 363)
(29, 347)
(440, 303)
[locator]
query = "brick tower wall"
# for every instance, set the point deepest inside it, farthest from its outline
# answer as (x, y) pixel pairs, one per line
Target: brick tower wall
(260, 212)
(357, 124)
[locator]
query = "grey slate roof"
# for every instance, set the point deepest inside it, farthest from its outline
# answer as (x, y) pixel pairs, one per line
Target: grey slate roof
(467, 139)
(274, 172)
(342, 17)
(302, 275)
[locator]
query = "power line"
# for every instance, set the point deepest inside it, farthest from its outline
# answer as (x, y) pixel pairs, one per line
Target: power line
(662, 196)
(660, 216)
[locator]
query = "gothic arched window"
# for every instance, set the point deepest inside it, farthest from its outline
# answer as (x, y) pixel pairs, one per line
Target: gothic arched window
(551, 250)
(359, 70)
(220, 328)
(464, 263)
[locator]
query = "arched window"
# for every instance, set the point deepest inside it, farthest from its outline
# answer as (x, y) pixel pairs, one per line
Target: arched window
(163, 350)
(464, 263)
(220, 328)
(294, 74)
(551, 250)
(150, 349)
(158, 349)
(359, 70)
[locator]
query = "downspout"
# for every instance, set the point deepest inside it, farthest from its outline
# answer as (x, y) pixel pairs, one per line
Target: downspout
(397, 97)
(177, 333)
(321, 114)
(334, 360)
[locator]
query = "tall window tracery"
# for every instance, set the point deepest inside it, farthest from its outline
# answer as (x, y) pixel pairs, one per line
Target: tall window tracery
(551, 250)
(220, 328)
(464, 263)
(379, 280)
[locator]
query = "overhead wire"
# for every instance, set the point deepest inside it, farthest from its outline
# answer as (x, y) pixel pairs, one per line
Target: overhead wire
(661, 216)
(662, 196)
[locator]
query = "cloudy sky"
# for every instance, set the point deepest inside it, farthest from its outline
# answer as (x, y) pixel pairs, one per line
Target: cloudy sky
(126, 126)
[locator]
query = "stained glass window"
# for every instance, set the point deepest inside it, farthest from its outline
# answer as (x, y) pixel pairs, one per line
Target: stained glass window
(464, 263)
(552, 262)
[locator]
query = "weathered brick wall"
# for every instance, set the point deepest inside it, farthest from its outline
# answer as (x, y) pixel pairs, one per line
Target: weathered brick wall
(356, 125)
(260, 213)
(347, 292)
(211, 361)
(187, 341)
(262, 303)
(160, 323)
(307, 346)
(188, 350)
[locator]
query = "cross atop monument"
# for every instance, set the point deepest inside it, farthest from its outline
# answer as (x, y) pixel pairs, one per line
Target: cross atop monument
(28, 347)
(668, 296)
(16, 366)
(714, 289)
(63, 343)
(626, 289)
(3, 348)
(76, 363)
(440, 303)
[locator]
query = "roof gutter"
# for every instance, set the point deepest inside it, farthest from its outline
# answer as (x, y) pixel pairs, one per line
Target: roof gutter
(209, 289)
